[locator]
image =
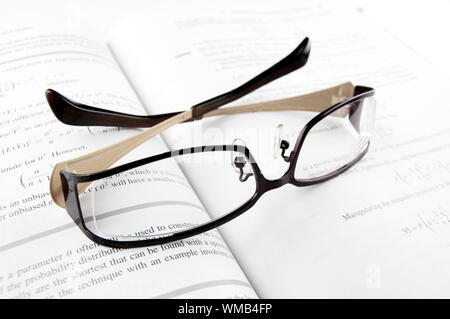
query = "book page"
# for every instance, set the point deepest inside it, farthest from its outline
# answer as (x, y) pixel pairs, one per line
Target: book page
(43, 253)
(380, 229)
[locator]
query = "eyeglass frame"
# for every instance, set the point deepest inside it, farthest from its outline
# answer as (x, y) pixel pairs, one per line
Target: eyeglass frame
(70, 181)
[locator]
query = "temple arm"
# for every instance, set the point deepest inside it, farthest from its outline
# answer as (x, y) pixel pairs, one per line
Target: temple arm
(74, 113)
(313, 102)
(106, 157)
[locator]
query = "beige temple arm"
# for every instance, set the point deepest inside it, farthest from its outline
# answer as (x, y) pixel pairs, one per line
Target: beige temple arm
(104, 158)
(313, 102)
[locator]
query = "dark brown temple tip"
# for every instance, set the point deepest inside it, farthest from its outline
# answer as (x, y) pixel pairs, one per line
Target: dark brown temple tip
(301, 53)
(74, 113)
(293, 61)
(61, 107)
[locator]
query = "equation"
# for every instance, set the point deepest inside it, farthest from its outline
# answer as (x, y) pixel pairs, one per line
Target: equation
(6, 87)
(36, 177)
(434, 221)
(422, 172)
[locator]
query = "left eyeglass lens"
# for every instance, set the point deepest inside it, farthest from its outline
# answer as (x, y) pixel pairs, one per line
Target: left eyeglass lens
(156, 199)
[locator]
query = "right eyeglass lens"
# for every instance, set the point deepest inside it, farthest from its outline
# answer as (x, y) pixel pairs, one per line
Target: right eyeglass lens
(336, 140)
(161, 198)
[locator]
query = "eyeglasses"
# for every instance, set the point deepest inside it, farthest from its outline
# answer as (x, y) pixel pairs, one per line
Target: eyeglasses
(158, 206)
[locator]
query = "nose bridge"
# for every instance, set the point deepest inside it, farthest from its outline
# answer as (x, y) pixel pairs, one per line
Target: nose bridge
(269, 184)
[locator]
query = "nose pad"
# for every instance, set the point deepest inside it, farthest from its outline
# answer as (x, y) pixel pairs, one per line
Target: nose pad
(277, 140)
(240, 163)
(280, 143)
(284, 145)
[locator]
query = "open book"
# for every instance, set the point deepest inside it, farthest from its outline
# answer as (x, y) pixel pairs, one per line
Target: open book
(381, 232)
